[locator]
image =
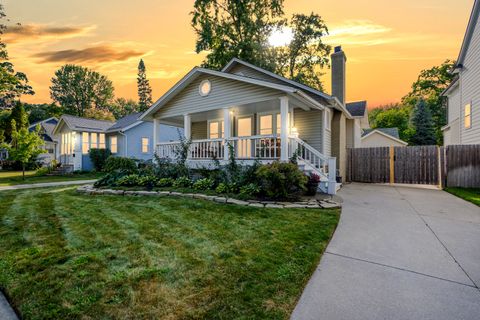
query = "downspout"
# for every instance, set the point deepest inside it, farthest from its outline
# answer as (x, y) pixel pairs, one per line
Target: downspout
(126, 143)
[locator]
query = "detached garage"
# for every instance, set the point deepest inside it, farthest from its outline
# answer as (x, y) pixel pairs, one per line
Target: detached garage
(382, 137)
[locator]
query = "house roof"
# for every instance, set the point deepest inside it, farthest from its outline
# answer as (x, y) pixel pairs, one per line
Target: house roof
(195, 72)
(357, 109)
(126, 122)
(48, 126)
(393, 132)
(468, 33)
(85, 124)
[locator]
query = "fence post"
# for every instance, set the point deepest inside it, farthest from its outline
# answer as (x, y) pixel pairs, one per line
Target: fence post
(392, 164)
(439, 157)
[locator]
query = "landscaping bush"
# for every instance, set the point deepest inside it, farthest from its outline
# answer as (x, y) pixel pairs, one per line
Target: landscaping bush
(182, 182)
(121, 164)
(99, 157)
(249, 190)
(165, 182)
(312, 184)
(280, 180)
(203, 184)
(110, 179)
(148, 181)
(226, 188)
(130, 180)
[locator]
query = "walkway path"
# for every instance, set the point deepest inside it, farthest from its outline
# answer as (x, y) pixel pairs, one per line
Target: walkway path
(398, 253)
(46, 184)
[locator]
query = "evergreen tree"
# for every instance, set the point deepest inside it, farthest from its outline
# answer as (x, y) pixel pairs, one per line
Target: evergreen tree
(144, 89)
(20, 116)
(424, 126)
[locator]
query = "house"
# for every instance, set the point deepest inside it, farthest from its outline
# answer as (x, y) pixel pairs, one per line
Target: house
(46, 132)
(463, 94)
(358, 124)
(127, 137)
(382, 137)
(263, 116)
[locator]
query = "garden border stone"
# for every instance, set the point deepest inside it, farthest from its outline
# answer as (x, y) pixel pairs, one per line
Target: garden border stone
(309, 204)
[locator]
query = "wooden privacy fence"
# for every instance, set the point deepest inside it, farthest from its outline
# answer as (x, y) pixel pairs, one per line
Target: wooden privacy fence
(453, 166)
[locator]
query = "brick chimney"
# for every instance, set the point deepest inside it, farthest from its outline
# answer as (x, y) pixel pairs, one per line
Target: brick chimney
(339, 60)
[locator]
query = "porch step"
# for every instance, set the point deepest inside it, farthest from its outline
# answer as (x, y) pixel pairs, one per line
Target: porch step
(64, 169)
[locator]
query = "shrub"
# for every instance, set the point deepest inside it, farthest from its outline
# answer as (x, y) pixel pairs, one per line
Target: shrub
(110, 179)
(249, 190)
(312, 184)
(203, 184)
(165, 182)
(43, 171)
(281, 180)
(129, 180)
(221, 188)
(148, 181)
(182, 182)
(99, 157)
(121, 164)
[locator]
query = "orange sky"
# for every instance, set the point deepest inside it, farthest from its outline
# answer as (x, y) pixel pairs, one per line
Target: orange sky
(387, 42)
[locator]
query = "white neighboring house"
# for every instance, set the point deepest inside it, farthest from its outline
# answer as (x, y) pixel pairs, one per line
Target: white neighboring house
(463, 94)
(264, 116)
(382, 137)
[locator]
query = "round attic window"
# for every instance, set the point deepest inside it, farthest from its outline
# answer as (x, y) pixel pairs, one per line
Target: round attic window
(204, 88)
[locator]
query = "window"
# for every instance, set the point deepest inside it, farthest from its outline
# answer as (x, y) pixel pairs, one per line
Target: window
(468, 116)
(113, 144)
(279, 122)
(85, 143)
(145, 145)
(327, 119)
(101, 139)
(266, 124)
(93, 141)
(204, 88)
(215, 129)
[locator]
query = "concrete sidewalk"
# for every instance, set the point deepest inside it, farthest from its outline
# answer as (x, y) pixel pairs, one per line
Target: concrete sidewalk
(6, 312)
(46, 184)
(398, 253)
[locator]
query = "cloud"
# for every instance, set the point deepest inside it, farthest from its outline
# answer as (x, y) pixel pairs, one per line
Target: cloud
(358, 28)
(41, 32)
(100, 53)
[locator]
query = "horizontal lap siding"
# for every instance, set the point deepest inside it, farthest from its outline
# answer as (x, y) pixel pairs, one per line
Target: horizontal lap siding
(199, 130)
(224, 93)
(309, 125)
(470, 87)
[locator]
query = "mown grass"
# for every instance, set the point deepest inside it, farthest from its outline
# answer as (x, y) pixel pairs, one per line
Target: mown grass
(469, 194)
(10, 178)
(66, 256)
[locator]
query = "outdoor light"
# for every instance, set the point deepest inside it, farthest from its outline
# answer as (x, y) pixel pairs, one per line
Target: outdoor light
(204, 88)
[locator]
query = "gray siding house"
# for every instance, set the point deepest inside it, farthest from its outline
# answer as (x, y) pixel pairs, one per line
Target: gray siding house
(264, 117)
(46, 132)
(463, 94)
(127, 137)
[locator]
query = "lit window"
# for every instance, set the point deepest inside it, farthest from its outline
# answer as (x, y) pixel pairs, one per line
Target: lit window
(266, 124)
(93, 141)
(468, 116)
(205, 88)
(215, 130)
(279, 122)
(145, 145)
(101, 139)
(85, 143)
(113, 144)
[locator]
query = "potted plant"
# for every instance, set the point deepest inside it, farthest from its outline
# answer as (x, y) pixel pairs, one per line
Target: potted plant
(312, 184)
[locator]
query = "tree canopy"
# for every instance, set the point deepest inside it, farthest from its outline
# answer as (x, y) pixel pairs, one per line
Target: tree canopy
(144, 89)
(79, 89)
(423, 125)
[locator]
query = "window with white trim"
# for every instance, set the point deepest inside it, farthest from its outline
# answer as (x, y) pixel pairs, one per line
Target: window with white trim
(113, 144)
(145, 145)
(266, 124)
(468, 116)
(93, 141)
(85, 143)
(215, 129)
(101, 139)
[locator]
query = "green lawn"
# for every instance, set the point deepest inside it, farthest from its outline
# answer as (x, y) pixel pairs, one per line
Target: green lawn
(65, 255)
(10, 178)
(469, 194)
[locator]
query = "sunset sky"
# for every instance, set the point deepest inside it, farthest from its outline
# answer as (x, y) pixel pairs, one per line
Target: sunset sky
(387, 43)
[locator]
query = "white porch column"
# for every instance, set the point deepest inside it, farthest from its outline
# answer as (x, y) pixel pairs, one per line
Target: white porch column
(187, 126)
(156, 126)
(226, 131)
(284, 128)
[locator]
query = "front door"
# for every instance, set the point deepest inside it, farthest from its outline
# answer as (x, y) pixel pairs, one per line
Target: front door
(244, 129)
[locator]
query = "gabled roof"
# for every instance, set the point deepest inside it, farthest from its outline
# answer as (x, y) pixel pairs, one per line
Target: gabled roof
(357, 109)
(84, 124)
(197, 71)
(126, 122)
(296, 84)
(472, 22)
(393, 132)
(48, 126)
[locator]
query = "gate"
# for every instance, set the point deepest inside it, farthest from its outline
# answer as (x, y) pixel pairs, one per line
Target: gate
(412, 165)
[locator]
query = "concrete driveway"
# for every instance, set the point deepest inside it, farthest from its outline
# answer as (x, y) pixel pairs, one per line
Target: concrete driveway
(398, 253)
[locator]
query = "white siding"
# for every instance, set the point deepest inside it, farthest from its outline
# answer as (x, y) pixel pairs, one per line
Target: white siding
(224, 93)
(470, 89)
(310, 126)
(453, 105)
(378, 140)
